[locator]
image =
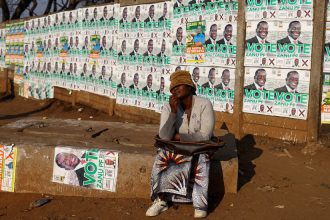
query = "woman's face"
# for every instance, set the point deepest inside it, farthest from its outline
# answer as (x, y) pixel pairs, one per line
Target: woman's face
(181, 91)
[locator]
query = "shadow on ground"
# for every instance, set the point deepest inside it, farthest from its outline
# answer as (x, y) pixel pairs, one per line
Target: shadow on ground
(247, 152)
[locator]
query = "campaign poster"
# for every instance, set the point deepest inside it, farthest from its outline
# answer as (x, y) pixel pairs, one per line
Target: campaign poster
(325, 107)
(124, 22)
(261, 43)
(163, 52)
(86, 17)
(195, 41)
(204, 79)
(163, 88)
(294, 44)
(149, 51)
(85, 38)
(91, 168)
(279, 9)
(95, 46)
(224, 90)
(149, 87)
(121, 79)
(326, 61)
(8, 157)
(220, 43)
(276, 92)
(178, 43)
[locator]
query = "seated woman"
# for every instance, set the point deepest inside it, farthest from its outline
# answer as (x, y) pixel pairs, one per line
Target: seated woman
(175, 177)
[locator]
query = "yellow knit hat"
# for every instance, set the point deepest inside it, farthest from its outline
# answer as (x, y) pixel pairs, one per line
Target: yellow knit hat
(181, 77)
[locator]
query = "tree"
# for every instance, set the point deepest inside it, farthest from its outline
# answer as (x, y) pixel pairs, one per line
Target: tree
(18, 7)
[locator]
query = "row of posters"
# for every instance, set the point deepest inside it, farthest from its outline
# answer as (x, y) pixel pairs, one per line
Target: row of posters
(325, 103)
(2, 47)
(276, 92)
(8, 156)
(281, 44)
(279, 9)
(91, 168)
(278, 50)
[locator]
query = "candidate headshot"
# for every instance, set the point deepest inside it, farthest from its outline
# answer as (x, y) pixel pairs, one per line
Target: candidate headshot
(102, 76)
(149, 84)
(86, 42)
(122, 81)
(163, 17)
(225, 79)
(179, 37)
(103, 43)
(162, 55)
(86, 18)
(63, 18)
(151, 14)
(105, 13)
(261, 34)
(199, 37)
(135, 84)
(150, 48)
(84, 70)
(161, 86)
(292, 81)
(70, 17)
(135, 51)
(294, 31)
(123, 48)
(94, 19)
(137, 14)
(211, 77)
(67, 161)
(195, 76)
(227, 35)
(76, 44)
(70, 161)
(124, 16)
(259, 81)
(213, 35)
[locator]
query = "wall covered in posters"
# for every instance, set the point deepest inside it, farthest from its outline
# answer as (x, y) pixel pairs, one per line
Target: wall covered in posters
(278, 52)
(128, 53)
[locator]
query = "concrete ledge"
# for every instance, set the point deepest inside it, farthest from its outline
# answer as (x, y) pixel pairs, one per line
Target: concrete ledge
(36, 145)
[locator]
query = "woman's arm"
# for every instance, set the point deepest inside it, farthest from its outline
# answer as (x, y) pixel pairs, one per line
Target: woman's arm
(167, 122)
(207, 125)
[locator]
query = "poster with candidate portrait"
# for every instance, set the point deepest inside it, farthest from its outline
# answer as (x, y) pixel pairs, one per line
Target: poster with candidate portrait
(205, 82)
(325, 107)
(261, 43)
(195, 42)
(326, 63)
(220, 43)
(148, 80)
(89, 168)
(224, 90)
(279, 9)
(294, 42)
(276, 92)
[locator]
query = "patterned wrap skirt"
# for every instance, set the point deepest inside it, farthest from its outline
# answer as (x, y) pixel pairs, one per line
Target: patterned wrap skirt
(181, 178)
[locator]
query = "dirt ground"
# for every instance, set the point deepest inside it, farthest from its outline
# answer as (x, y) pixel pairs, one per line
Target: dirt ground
(276, 181)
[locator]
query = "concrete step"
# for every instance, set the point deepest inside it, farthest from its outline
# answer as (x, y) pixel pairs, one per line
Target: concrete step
(36, 139)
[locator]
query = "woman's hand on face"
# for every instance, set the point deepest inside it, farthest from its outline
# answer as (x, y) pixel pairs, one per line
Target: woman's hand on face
(174, 101)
